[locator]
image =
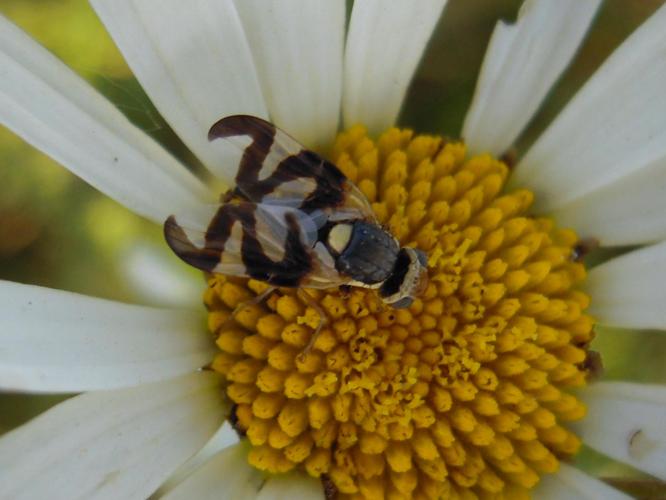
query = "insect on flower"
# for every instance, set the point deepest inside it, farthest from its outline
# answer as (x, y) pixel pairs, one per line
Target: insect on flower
(294, 220)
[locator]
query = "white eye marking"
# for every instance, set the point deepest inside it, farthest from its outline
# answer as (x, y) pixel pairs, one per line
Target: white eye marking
(339, 237)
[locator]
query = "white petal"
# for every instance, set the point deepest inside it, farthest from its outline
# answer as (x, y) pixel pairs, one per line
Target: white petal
(297, 47)
(227, 475)
(57, 112)
(629, 291)
(111, 444)
(294, 485)
(569, 483)
(385, 43)
(224, 437)
(522, 63)
(56, 341)
(614, 127)
(628, 423)
(625, 212)
(193, 60)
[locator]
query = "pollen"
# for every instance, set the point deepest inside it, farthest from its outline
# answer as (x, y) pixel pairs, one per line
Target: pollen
(465, 394)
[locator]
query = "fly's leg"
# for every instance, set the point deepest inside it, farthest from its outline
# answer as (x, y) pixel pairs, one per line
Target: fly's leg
(345, 291)
(307, 298)
(256, 300)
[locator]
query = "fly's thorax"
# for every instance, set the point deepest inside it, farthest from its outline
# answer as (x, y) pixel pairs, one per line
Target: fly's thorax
(372, 258)
(362, 250)
(408, 279)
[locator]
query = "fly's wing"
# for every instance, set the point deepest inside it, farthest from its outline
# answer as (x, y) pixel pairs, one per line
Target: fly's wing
(276, 169)
(266, 242)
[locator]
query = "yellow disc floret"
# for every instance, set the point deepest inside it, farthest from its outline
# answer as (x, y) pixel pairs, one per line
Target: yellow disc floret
(464, 394)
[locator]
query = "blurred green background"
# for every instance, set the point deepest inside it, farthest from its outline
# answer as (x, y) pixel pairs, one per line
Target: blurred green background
(57, 231)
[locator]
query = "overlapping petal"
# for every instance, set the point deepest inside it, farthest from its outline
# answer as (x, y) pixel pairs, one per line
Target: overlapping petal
(226, 475)
(224, 437)
(240, 480)
(293, 485)
(612, 131)
(158, 278)
(626, 212)
(522, 63)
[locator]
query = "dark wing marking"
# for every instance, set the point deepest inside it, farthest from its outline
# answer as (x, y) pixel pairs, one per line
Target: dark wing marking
(266, 242)
(275, 168)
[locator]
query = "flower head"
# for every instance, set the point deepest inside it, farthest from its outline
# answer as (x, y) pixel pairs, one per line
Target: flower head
(467, 389)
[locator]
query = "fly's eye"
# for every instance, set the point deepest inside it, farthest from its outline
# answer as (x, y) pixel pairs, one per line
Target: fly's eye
(403, 303)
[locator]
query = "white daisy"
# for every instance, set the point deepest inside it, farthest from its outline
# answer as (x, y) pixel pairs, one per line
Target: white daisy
(492, 425)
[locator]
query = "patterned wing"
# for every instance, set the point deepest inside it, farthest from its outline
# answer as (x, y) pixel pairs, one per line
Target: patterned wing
(276, 169)
(272, 243)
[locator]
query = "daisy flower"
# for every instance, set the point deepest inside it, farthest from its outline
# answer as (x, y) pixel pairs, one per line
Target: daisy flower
(482, 388)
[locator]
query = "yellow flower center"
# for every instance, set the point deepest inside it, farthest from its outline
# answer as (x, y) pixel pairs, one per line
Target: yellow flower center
(464, 392)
